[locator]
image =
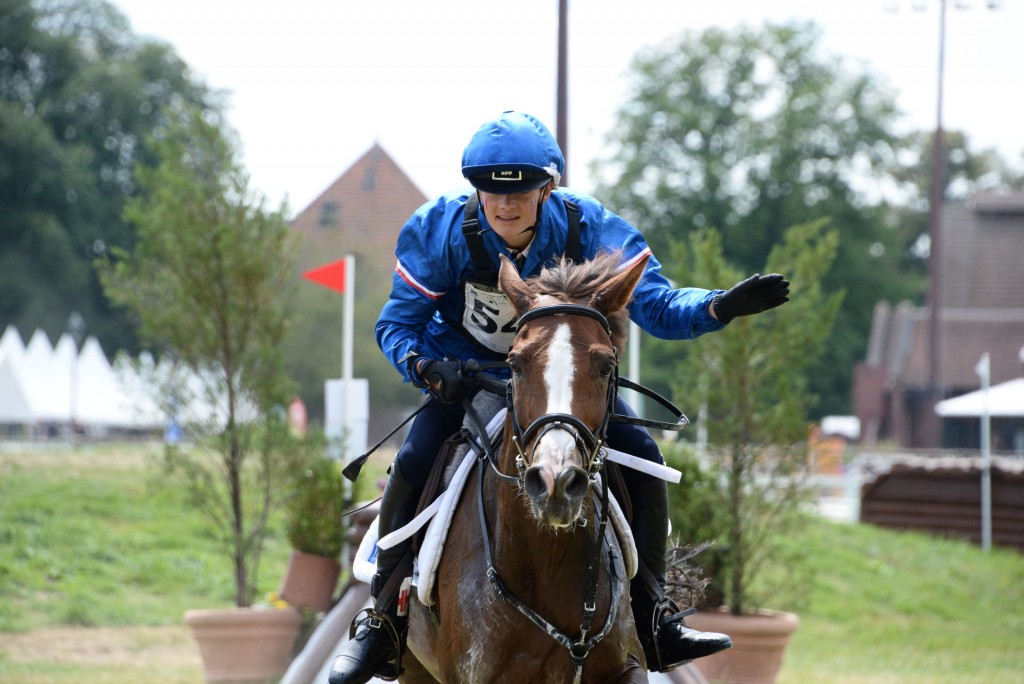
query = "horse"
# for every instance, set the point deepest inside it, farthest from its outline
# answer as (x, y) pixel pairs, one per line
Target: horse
(529, 588)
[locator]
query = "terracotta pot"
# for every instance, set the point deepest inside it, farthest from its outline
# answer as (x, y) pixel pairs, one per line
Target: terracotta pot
(310, 581)
(759, 644)
(244, 645)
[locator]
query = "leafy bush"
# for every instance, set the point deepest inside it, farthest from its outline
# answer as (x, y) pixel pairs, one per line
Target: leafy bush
(314, 522)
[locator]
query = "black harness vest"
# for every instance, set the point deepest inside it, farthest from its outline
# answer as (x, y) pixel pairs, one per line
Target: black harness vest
(484, 278)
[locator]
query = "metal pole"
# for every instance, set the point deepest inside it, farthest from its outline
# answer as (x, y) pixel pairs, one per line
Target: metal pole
(636, 399)
(562, 127)
(346, 378)
(346, 323)
(935, 254)
(986, 456)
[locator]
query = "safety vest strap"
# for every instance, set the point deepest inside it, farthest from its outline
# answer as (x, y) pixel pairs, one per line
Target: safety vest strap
(483, 270)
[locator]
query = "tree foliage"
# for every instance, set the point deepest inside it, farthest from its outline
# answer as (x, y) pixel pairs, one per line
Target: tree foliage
(751, 382)
(79, 99)
(749, 132)
(210, 279)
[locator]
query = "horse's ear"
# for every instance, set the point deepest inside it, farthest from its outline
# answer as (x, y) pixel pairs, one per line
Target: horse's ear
(513, 286)
(617, 291)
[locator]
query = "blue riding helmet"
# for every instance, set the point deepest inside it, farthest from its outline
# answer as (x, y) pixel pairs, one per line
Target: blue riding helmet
(513, 153)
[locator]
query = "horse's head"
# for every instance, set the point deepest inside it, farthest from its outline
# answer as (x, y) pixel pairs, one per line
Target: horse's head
(563, 361)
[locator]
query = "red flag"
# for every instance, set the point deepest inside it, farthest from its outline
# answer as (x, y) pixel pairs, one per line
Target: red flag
(330, 275)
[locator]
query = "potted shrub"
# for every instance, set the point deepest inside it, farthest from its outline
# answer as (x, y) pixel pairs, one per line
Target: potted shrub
(209, 280)
(315, 531)
(746, 492)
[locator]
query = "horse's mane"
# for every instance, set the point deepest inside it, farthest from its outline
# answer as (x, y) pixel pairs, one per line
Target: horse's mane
(572, 282)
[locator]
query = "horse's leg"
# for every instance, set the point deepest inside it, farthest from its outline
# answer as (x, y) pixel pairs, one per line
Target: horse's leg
(632, 673)
(421, 655)
(415, 673)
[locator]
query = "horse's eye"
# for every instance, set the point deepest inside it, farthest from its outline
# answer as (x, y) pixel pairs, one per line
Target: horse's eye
(515, 366)
(606, 368)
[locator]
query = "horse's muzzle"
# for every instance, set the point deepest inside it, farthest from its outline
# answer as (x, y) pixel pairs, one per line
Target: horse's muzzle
(556, 496)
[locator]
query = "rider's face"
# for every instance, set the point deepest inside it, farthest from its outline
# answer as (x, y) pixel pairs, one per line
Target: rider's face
(512, 215)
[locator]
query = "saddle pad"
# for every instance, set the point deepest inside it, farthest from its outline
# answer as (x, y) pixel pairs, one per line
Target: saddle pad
(365, 564)
(433, 543)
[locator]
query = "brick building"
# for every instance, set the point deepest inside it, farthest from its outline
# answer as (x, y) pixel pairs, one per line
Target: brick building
(982, 295)
(359, 213)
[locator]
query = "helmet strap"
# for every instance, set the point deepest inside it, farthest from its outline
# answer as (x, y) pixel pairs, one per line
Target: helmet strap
(545, 195)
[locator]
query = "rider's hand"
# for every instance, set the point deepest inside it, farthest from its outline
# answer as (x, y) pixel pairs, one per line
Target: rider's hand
(755, 294)
(444, 378)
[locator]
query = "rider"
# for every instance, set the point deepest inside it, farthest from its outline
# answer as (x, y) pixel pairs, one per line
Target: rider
(444, 307)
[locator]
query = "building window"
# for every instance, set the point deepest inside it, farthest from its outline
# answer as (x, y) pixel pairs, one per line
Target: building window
(370, 179)
(330, 213)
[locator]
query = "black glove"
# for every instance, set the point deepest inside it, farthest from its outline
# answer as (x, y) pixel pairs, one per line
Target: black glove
(755, 294)
(444, 379)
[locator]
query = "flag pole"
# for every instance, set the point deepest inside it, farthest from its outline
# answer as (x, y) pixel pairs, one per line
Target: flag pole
(346, 323)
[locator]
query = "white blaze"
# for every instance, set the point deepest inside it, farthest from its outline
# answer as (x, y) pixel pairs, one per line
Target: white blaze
(560, 370)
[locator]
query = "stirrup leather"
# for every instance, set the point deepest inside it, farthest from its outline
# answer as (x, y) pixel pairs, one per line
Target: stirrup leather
(391, 669)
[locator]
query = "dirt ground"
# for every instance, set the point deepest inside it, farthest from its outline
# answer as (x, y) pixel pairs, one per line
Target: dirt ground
(169, 650)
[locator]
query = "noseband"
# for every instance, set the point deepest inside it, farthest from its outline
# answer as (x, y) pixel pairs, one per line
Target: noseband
(589, 442)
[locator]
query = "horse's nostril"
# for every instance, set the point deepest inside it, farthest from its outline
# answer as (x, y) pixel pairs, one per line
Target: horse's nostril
(536, 485)
(574, 483)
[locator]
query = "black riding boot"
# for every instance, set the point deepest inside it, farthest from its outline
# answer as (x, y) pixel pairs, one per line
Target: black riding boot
(378, 635)
(667, 641)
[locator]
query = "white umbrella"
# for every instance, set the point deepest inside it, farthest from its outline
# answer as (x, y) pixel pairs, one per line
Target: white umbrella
(1004, 400)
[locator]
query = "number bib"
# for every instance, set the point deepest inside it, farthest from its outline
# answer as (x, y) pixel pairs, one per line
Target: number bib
(489, 317)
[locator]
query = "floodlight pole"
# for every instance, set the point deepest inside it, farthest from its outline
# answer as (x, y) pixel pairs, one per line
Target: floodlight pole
(562, 97)
(935, 250)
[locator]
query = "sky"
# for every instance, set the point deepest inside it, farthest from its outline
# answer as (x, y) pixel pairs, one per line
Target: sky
(312, 85)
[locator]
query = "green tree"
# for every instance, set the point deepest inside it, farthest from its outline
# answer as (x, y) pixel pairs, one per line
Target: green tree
(749, 132)
(752, 384)
(80, 98)
(210, 279)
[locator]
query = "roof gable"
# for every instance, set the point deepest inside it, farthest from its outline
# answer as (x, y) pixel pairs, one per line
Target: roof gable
(360, 213)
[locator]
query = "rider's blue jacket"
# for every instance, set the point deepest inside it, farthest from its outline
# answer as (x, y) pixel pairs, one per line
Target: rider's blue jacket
(429, 296)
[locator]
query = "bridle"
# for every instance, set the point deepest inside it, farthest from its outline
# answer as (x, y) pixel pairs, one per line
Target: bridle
(589, 442)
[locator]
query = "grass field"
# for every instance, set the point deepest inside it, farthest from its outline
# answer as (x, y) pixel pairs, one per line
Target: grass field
(99, 558)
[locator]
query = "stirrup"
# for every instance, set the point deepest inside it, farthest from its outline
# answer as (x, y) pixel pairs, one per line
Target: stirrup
(664, 610)
(390, 669)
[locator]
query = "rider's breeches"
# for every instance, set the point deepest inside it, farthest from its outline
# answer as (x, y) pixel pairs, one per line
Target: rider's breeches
(428, 432)
(649, 494)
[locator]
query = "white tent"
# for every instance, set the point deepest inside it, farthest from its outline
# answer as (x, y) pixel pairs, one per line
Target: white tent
(1004, 401)
(14, 406)
(11, 344)
(42, 387)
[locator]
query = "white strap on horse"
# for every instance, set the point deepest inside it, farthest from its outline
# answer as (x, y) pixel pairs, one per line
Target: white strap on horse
(658, 470)
(493, 427)
(402, 533)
